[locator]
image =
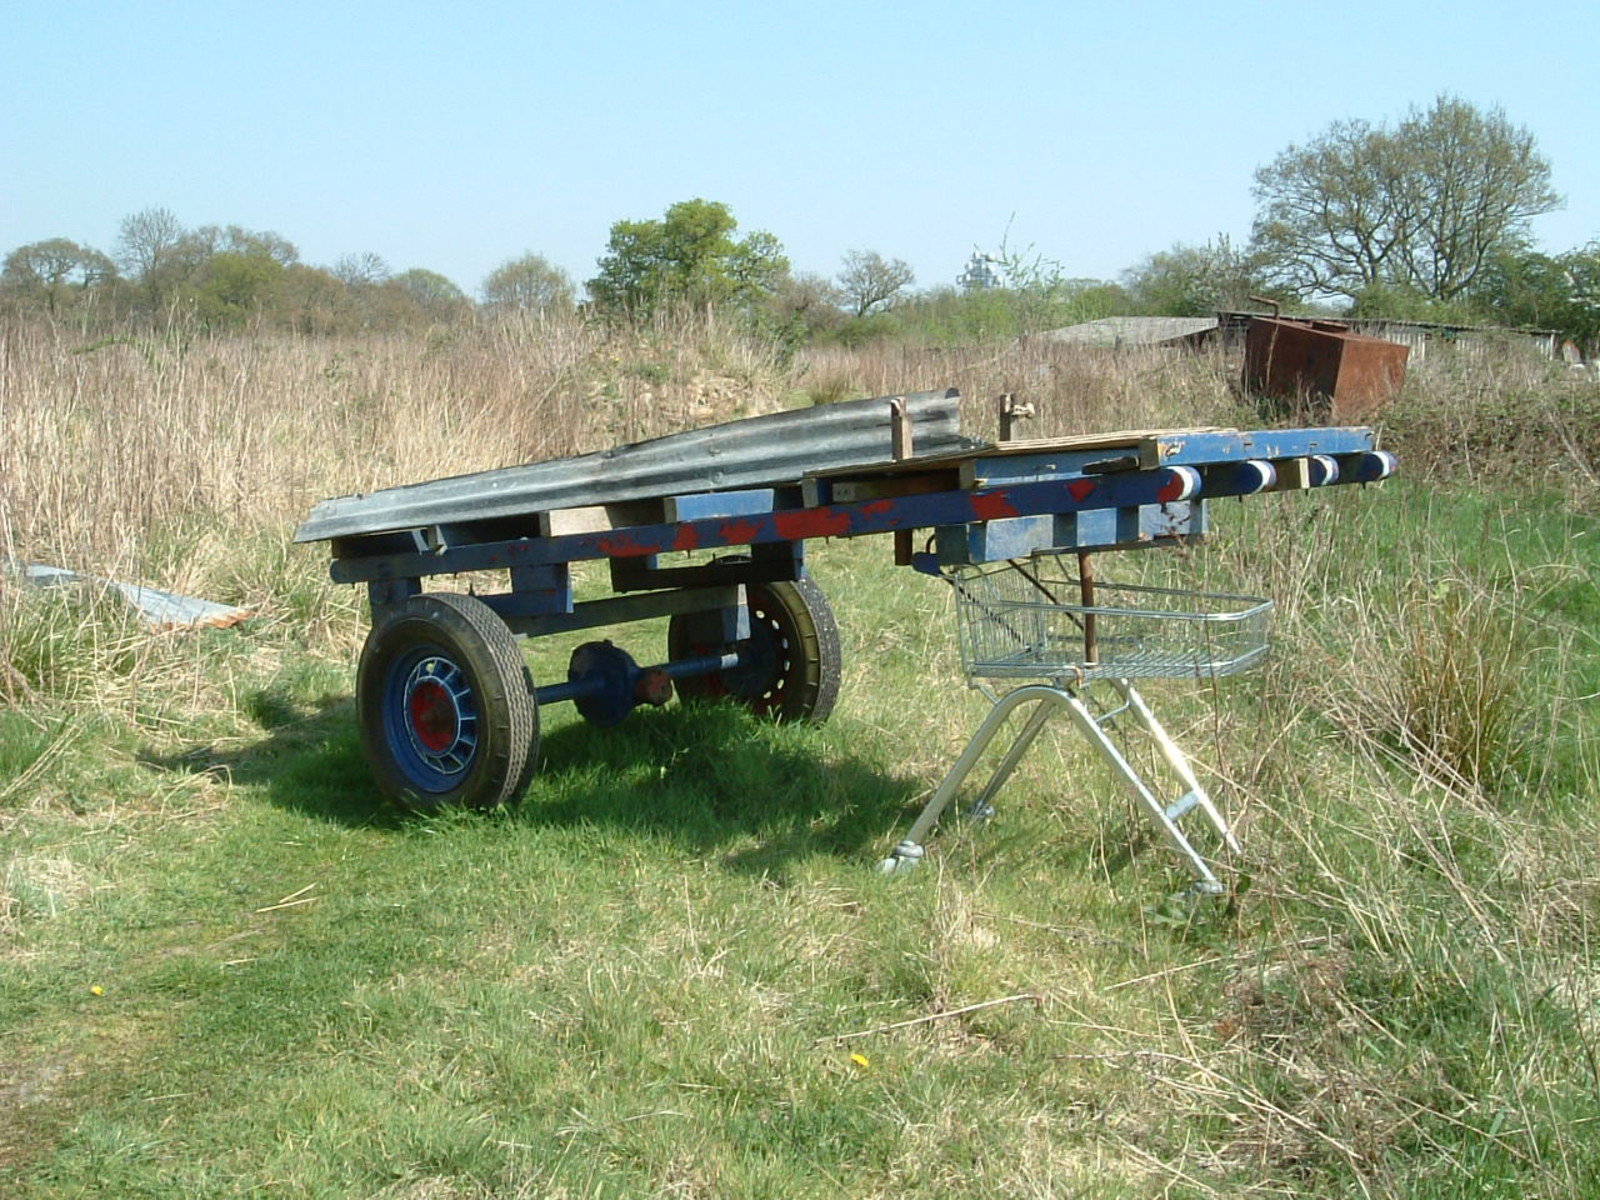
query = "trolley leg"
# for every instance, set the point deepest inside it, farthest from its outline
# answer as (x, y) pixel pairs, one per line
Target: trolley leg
(1164, 818)
(909, 851)
(1195, 796)
(981, 807)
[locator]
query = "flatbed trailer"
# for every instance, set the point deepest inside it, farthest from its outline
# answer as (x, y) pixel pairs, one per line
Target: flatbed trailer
(708, 529)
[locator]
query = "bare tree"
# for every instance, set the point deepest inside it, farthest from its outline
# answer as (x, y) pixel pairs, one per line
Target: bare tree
(870, 281)
(360, 270)
(146, 244)
(1422, 206)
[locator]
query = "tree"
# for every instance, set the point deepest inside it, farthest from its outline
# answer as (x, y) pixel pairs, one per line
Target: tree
(360, 270)
(312, 301)
(1422, 206)
(1540, 291)
(234, 239)
(53, 272)
(147, 245)
(870, 281)
(529, 283)
(689, 255)
(434, 296)
(1195, 281)
(236, 287)
(802, 306)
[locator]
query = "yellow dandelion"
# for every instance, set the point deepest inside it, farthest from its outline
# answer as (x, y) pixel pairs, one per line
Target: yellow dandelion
(860, 1060)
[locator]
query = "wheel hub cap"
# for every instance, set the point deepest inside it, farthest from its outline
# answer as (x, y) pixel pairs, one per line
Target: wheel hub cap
(439, 717)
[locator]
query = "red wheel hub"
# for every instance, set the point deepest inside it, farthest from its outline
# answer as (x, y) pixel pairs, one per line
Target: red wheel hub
(434, 720)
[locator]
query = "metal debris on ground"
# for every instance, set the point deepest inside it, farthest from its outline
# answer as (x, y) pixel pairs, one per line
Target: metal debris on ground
(161, 611)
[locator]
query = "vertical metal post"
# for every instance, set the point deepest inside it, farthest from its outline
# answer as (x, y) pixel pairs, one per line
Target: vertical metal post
(1010, 413)
(1091, 643)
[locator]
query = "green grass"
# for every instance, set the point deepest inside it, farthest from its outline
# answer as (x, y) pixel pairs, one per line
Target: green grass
(229, 969)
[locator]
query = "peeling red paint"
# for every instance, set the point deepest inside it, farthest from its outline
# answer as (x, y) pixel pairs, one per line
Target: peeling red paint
(811, 522)
(626, 547)
(738, 533)
(688, 538)
(992, 506)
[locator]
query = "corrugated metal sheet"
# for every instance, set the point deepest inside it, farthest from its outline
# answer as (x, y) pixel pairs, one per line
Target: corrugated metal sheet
(1132, 331)
(158, 609)
(756, 452)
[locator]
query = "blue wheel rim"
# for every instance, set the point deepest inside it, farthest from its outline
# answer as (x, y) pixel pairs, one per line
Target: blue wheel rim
(430, 719)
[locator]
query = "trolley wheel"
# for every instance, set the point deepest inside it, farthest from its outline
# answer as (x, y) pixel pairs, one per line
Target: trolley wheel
(446, 705)
(792, 666)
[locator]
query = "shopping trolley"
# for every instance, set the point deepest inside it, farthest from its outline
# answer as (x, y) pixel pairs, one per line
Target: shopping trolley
(1047, 618)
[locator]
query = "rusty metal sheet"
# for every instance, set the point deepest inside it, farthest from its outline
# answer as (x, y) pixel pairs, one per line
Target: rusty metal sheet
(766, 451)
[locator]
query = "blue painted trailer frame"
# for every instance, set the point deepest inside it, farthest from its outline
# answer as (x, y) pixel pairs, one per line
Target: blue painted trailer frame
(700, 556)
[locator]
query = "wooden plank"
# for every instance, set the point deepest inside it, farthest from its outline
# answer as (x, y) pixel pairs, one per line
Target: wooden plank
(600, 518)
(902, 445)
(851, 491)
(1118, 439)
(1294, 475)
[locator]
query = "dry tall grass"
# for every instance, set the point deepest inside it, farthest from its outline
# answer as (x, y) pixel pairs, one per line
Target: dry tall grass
(109, 448)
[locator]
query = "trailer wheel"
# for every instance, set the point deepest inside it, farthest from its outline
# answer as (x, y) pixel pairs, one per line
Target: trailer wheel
(793, 659)
(446, 705)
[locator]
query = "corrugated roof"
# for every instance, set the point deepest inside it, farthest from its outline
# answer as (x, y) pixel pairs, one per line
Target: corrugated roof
(764, 451)
(1131, 331)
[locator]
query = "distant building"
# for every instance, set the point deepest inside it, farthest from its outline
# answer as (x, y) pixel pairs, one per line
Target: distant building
(1118, 333)
(983, 271)
(1423, 338)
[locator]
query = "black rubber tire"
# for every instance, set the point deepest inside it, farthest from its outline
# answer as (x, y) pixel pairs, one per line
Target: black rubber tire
(795, 642)
(446, 705)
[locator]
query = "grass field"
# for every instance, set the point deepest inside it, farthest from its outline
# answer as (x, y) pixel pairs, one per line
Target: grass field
(226, 968)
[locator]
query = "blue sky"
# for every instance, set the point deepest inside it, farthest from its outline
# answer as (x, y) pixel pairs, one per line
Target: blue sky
(456, 136)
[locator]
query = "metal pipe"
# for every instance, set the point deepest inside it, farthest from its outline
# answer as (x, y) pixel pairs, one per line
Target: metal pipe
(593, 685)
(1091, 642)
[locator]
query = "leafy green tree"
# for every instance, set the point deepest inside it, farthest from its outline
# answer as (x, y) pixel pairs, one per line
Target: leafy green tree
(237, 287)
(528, 283)
(1402, 302)
(435, 297)
(52, 274)
(1539, 291)
(690, 255)
(870, 282)
(1422, 206)
(1195, 281)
